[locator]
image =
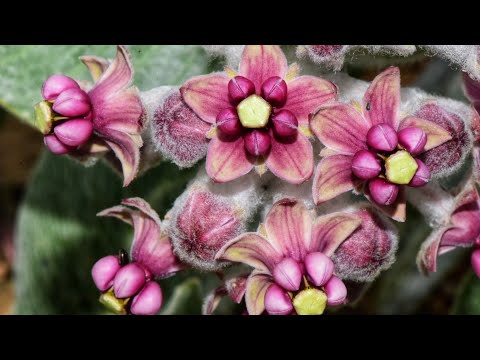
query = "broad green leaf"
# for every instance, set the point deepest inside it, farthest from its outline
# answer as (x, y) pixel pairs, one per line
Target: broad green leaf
(23, 68)
(467, 301)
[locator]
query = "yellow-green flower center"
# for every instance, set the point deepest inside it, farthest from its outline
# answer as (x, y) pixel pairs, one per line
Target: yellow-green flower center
(400, 167)
(43, 117)
(254, 112)
(310, 302)
(116, 306)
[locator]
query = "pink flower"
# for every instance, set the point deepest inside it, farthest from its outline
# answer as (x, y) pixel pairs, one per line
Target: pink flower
(258, 115)
(462, 229)
(290, 255)
(129, 286)
(472, 91)
(372, 149)
(84, 120)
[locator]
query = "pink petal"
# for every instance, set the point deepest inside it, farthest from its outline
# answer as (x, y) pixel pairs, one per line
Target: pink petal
(291, 159)
(212, 300)
(257, 285)
(250, 249)
(398, 210)
(207, 95)
(148, 301)
(427, 256)
(329, 231)
(95, 65)
(289, 228)
(151, 247)
(227, 158)
(436, 135)
(260, 62)
(104, 271)
(341, 128)
(333, 177)
(56, 146)
(381, 101)
(306, 94)
(236, 288)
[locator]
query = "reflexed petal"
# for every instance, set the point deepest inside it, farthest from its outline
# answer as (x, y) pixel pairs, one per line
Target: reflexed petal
(291, 159)
(382, 99)
(306, 94)
(207, 95)
(260, 62)
(341, 128)
(329, 231)
(431, 248)
(289, 228)
(333, 177)
(398, 210)
(96, 65)
(250, 249)
(436, 135)
(257, 285)
(227, 158)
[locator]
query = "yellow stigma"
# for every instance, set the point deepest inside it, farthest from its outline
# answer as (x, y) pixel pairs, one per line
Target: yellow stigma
(116, 306)
(400, 167)
(254, 112)
(310, 302)
(43, 117)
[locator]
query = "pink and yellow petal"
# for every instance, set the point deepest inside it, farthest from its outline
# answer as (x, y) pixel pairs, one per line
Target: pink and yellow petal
(333, 177)
(227, 158)
(436, 135)
(291, 159)
(381, 101)
(306, 94)
(260, 62)
(398, 210)
(207, 95)
(257, 285)
(289, 227)
(430, 250)
(340, 127)
(95, 65)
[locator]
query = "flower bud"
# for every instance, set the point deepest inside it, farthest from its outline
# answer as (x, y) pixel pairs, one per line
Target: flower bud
(382, 191)
(72, 103)
(239, 88)
(285, 123)
(56, 84)
(104, 271)
(257, 142)
(274, 90)
(128, 281)
(422, 176)
(336, 291)
(228, 122)
(56, 146)
(74, 132)
(412, 139)
(319, 268)
(148, 301)
(365, 165)
(382, 137)
(288, 274)
(277, 301)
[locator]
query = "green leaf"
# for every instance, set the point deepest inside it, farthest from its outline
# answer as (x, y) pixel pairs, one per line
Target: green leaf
(467, 301)
(25, 67)
(186, 298)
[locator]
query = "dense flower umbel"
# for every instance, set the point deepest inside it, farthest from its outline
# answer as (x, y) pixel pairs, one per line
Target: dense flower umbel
(291, 256)
(461, 229)
(85, 120)
(129, 287)
(258, 116)
(371, 148)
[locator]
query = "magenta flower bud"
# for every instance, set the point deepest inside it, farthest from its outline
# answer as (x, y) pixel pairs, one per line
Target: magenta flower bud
(56, 146)
(336, 291)
(277, 301)
(382, 137)
(476, 261)
(412, 139)
(382, 191)
(285, 124)
(274, 90)
(104, 271)
(148, 301)
(288, 274)
(365, 165)
(56, 84)
(422, 176)
(239, 88)
(257, 142)
(128, 281)
(228, 122)
(74, 132)
(319, 268)
(72, 102)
